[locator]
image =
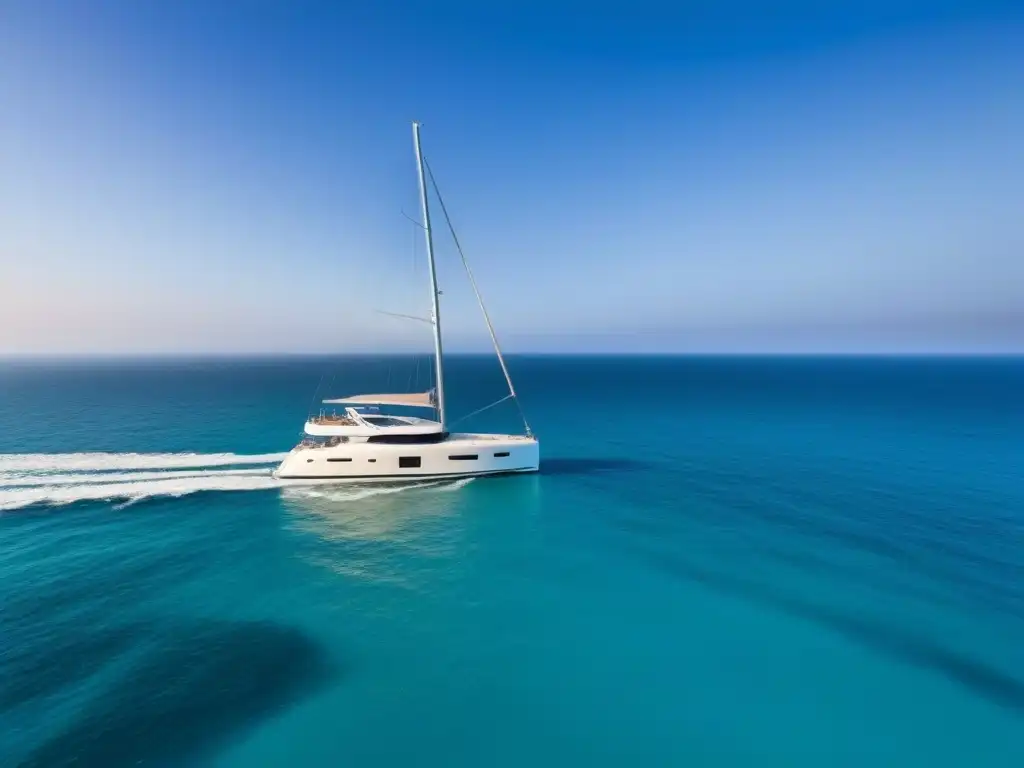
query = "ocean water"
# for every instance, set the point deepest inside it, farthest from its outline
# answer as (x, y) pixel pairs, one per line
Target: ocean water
(724, 562)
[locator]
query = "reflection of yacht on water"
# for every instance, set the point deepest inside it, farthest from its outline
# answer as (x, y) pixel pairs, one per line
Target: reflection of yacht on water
(363, 444)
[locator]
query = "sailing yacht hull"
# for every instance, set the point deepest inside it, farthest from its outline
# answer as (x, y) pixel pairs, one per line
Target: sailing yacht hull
(363, 445)
(463, 455)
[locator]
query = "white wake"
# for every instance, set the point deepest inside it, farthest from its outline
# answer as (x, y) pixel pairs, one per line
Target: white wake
(335, 493)
(27, 479)
(86, 462)
(65, 478)
(134, 491)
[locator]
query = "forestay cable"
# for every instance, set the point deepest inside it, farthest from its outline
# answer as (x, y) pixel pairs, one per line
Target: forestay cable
(483, 309)
(488, 407)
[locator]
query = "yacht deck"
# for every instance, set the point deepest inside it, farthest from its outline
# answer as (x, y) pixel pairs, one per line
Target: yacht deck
(333, 420)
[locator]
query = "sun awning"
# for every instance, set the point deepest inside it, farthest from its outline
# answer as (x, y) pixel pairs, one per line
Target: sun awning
(412, 400)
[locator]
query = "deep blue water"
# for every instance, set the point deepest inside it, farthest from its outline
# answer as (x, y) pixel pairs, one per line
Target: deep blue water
(724, 562)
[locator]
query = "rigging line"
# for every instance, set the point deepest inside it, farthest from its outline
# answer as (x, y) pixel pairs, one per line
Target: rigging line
(309, 412)
(403, 316)
(479, 299)
(509, 396)
(410, 218)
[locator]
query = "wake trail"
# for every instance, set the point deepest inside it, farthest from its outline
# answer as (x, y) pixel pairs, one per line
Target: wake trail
(56, 479)
(337, 493)
(28, 479)
(23, 479)
(16, 498)
(95, 462)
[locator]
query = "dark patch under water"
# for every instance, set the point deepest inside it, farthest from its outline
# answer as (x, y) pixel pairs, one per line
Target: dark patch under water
(200, 683)
(36, 671)
(973, 674)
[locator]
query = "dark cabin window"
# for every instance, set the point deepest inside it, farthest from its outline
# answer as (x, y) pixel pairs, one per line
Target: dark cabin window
(433, 437)
(464, 457)
(339, 459)
(408, 462)
(501, 454)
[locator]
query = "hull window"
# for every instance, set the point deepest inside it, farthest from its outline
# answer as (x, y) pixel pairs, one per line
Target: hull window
(408, 462)
(339, 459)
(501, 454)
(464, 457)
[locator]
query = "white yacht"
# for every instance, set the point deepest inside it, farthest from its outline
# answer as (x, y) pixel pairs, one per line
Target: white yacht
(357, 442)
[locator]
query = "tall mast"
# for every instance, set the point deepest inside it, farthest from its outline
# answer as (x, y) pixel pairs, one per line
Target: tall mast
(434, 293)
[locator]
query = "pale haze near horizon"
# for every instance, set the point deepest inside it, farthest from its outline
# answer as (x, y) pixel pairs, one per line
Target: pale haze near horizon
(176, 181)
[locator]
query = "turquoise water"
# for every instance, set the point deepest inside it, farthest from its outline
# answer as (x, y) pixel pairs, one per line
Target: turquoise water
(724, 562)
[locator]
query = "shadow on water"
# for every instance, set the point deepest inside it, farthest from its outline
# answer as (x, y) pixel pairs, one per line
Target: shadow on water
(980, 678)
(201, 684)
(37, 670)
(932, 559)
(98, 587)
(581, 466)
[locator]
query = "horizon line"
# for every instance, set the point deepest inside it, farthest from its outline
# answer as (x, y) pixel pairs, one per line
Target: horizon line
(86, 356)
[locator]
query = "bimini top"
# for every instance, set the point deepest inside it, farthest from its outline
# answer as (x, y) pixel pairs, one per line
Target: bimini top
(412, 400)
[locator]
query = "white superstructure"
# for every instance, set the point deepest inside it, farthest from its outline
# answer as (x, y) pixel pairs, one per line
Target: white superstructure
(355, 441)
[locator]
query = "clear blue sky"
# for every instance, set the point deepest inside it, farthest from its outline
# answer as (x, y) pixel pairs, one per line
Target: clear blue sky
(231, 176)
